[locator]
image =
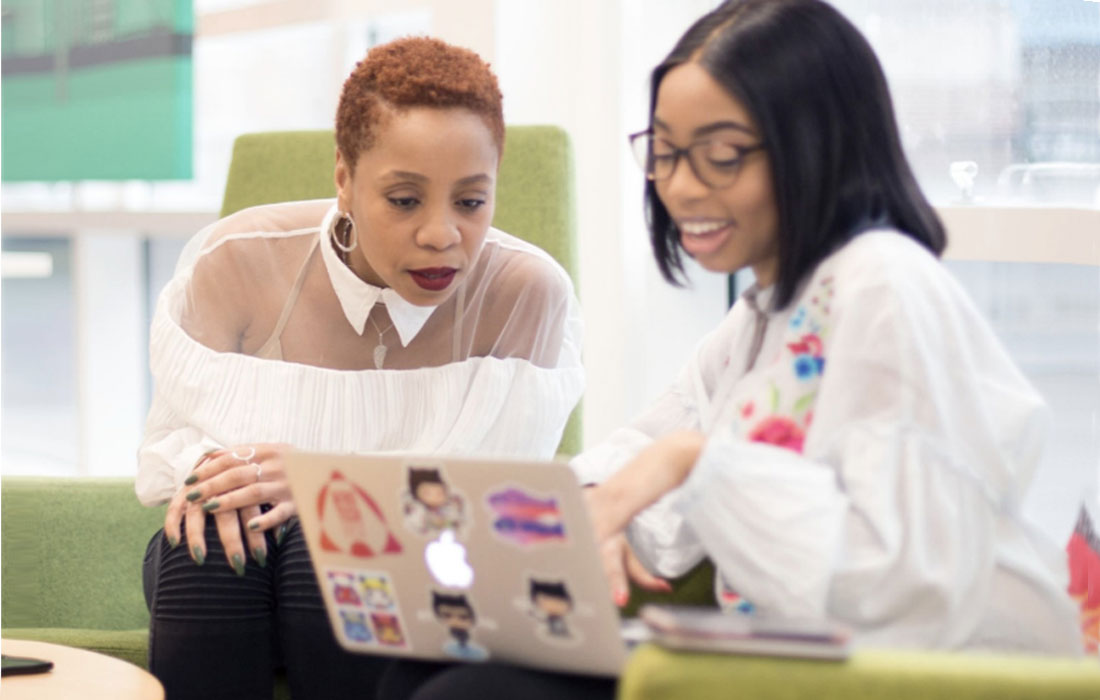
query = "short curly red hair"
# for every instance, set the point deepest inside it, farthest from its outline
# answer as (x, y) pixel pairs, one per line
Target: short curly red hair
(414, 72)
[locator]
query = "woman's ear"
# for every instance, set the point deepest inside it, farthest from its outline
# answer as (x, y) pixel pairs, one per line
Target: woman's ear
(342, 177)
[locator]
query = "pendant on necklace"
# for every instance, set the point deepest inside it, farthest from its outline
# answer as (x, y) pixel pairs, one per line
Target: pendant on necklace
(379, 355)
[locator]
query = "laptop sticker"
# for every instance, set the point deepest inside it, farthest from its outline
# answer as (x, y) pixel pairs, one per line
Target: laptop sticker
(377, 592)
(550, 604)
(387, 627)
(457, 615)
(355, 626)
(343, 588)
(430, 504)
(351, 521)
(525, 519)
(366, 612)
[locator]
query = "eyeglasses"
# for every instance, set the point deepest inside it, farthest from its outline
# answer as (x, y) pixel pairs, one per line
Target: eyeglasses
(715, 162)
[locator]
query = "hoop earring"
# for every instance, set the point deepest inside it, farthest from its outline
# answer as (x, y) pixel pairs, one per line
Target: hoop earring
(349, 233)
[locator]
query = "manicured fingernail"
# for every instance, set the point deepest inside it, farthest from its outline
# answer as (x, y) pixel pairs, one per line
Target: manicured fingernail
(194, 495)
(191, 479)
(199, 557)
(261, 556)
(210, 505)
(254, 525)
(173, 542)
(238, 564)
(622, 596)
(282, 533)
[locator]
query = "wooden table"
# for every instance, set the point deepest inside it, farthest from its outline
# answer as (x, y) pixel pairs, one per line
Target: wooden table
(76, 673)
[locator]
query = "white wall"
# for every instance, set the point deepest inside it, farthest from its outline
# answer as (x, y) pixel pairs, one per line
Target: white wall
(584, 66)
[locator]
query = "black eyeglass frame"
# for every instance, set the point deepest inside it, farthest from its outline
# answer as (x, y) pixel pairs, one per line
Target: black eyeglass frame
(685, 153)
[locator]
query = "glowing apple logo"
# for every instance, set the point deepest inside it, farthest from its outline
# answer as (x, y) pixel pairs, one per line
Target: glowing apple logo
(446, 560)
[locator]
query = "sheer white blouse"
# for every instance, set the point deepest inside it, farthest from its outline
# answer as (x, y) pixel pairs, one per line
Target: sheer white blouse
(868, 450)
(495, 370)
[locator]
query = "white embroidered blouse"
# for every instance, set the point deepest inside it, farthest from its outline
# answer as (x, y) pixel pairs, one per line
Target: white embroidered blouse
(868, 450)
(495, 370)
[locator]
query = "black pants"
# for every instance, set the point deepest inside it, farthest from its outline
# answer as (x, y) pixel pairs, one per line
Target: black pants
(418, 680)
(214, 634)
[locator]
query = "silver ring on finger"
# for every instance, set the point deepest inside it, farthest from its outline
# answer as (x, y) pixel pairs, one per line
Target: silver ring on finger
(259, 473)
(247, 459)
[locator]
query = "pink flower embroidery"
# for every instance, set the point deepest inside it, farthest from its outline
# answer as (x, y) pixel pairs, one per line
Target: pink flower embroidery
(780, 431)
(747, 409)
(810, 344)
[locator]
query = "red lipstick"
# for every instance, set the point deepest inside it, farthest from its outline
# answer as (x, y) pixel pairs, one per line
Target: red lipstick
(433, 279)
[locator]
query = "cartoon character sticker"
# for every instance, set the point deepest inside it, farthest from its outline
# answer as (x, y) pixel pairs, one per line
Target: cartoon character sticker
(523, 519)
(343, 588)
(454, 611)
(388, 629)
(355, 626)
(377, 592)
(351, 521)
(430, 505)
(366, 613)
(550, 603)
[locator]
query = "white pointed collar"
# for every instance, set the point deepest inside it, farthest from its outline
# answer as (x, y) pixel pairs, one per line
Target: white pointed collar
(357, 297)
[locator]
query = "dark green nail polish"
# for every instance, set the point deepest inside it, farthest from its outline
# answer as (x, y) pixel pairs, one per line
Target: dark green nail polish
(173, 542)
(238, 564)
(281, 535)
(210, 505)
(199, 557)
(261, 556)
(254, 525)
(194, 495)
(191, 479)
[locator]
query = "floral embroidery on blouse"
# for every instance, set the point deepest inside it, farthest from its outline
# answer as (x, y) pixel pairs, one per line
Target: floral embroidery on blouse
(783, 402)
(792, 381)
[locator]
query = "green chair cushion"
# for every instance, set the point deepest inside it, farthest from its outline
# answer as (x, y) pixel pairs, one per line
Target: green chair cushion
(654, 673)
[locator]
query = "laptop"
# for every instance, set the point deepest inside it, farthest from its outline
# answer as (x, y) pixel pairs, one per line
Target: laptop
(450, 559)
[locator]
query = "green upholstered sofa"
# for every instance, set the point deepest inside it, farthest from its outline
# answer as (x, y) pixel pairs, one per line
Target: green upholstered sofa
(72, 552)
(71, 563)
(71, 574)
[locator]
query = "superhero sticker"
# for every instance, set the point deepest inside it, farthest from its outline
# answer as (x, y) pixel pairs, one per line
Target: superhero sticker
(523, 519)
(366, 608)
(430, 505)
(351, 521)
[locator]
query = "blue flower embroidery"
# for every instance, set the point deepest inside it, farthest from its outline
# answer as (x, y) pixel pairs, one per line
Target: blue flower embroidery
(807, 366)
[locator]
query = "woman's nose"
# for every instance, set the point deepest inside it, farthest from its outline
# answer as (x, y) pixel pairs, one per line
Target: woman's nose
(439, 231)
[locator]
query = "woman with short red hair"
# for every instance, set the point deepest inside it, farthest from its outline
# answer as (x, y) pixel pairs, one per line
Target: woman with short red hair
(363, 324)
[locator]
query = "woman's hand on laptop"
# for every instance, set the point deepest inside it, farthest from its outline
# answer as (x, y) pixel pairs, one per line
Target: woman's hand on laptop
(654, 471)
(619, 560)
(232, 485)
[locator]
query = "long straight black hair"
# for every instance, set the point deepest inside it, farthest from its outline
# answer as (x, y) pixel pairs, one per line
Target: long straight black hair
(818, 95)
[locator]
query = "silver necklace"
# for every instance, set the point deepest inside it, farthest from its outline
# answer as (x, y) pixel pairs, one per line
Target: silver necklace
(380, 349)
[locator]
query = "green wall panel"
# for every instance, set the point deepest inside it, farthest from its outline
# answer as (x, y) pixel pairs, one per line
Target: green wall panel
(114, 102)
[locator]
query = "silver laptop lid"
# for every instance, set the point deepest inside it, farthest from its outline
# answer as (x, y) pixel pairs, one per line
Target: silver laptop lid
(457, 559)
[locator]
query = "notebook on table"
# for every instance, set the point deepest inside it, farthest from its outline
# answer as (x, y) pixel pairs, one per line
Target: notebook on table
(458, 559)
